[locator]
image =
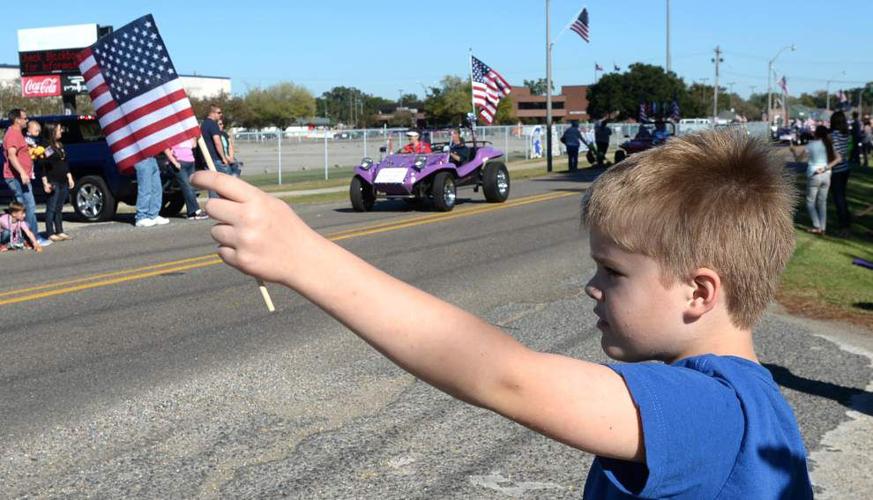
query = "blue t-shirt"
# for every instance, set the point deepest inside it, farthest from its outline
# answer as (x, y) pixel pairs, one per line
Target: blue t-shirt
(713, 427)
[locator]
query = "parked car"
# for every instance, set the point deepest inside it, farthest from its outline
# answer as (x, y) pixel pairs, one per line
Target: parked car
(434, 177)
(99, 186)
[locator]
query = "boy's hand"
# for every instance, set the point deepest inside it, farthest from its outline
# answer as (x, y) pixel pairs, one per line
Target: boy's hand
(258, 234)
(37, 247)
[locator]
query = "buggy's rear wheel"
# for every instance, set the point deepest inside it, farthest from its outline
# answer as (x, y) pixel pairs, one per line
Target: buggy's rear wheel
(361, 194)
(619, 155)
(444, 192)
(495, 181)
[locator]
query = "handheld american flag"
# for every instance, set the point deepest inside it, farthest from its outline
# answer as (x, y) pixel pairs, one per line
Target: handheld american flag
(488, 88)
(137, 95)
(580, 25)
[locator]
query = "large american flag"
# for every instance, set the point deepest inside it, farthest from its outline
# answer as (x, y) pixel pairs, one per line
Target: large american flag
(488, 88)
(580, 25)
(137, 95)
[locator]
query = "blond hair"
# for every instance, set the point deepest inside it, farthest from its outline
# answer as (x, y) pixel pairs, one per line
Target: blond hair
(716, 200)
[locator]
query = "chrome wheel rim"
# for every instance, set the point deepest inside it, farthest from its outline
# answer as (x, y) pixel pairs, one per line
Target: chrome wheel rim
(502, 182)
(90, 200)
(449, 193)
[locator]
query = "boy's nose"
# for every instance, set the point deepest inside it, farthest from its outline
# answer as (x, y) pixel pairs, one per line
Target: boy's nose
(592, 291)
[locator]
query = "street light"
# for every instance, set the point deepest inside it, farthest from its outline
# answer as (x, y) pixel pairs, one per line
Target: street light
(828, 89)
(770, 80)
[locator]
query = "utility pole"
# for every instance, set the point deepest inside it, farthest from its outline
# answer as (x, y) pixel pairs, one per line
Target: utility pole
(668, 36)
(717, 59)
(548, 92)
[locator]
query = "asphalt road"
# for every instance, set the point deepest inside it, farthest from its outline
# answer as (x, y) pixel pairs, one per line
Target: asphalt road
(133, 364)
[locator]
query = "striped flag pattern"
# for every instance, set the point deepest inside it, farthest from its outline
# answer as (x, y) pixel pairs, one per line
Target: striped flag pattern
(783, 84)
(580, 25)
(488, 88)
(137, 95)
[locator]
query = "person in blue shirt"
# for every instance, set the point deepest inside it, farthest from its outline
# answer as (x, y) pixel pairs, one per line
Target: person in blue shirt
(687, 412)
(572, 140)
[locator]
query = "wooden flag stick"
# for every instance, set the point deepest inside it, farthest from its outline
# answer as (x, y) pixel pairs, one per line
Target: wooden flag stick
(206, 156)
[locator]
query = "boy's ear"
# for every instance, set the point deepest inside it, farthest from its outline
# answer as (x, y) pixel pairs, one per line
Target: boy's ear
(705, 287)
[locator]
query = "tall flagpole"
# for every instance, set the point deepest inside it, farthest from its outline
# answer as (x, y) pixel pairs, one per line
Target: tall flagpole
(548, 93)
(472, 101)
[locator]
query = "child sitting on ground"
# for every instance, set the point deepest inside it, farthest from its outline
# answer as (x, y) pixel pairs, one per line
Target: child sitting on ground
(689, 240)
(15, 234)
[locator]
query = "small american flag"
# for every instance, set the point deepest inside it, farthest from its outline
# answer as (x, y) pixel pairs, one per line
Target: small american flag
(616, 67)
(842, 97)
(674, 111)
(598, 67)
(580, 25)
(644, 114)
(488, 88)
(137, 95)
(783, 84)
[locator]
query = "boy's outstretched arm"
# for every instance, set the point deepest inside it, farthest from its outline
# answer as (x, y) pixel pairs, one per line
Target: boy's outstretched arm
(583, 404)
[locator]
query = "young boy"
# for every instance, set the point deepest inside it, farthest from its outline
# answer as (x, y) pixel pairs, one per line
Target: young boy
(689, 241)
(14, 230)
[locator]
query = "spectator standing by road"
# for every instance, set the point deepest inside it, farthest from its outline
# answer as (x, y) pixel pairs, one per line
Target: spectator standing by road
(821, 158)
(229, 152)
(572, 139)
(868, 139)
(601, 137)
(18, 168)
(840, 172)
(212, 136)
(181, 157)
(149, 194)
(56, 180)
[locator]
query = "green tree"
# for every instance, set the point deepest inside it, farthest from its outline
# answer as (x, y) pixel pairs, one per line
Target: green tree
(623, 92)
(538, 87)
(235, 108)
(279, 105)
(449, 103)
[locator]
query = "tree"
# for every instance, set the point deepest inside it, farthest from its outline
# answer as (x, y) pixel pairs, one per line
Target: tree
(279, 105)
(623, 92)
(236, 110)
(449, 103)
(538, 87)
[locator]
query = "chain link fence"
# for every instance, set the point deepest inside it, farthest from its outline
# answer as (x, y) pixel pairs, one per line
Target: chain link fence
(324, 151)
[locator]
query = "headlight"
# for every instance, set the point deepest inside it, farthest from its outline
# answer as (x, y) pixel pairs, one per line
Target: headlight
(420, 162)
(366, 163)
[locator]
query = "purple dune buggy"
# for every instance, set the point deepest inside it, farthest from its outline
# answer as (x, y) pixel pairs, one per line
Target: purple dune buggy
(433, 176)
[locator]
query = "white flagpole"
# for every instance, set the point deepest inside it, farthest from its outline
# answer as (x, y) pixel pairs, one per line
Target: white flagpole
(472, 97)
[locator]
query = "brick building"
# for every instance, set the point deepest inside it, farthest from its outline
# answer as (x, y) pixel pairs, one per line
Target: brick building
(570, 104)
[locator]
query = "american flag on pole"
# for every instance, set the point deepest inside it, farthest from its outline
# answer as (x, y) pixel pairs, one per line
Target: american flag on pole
(598, 67)
(783, 84)
(644, 112)
(137, 95)
(580, 25)
(488, 88)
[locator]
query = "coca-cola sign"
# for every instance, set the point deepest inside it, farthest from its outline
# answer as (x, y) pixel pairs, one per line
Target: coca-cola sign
(41, 86)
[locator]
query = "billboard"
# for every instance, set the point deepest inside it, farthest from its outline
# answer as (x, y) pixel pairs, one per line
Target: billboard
(49, 62)
(41, 86)
(74, 36)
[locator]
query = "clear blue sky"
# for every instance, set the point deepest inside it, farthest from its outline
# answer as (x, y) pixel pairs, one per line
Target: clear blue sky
(382, 47)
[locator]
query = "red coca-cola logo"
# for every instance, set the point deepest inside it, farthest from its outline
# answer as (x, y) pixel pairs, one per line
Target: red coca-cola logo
(41, 86)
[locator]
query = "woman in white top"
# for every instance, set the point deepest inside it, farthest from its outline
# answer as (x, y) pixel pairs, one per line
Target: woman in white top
(821, 158)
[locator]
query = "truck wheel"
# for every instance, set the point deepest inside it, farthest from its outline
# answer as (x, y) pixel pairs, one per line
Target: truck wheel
(444, 192)
(495, 181)
(619, 155)
(92, 199)
(172, 206)
(361, 195)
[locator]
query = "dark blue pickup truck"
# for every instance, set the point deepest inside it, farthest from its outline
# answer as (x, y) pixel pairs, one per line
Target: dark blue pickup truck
(99, 185)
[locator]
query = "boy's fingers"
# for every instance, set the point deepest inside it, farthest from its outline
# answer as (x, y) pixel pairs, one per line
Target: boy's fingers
(225, 185)
(224, 235)
(224, 210)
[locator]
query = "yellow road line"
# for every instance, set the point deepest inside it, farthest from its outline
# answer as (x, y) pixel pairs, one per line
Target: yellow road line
(122, 276)
(24, 298)
(103, 275)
